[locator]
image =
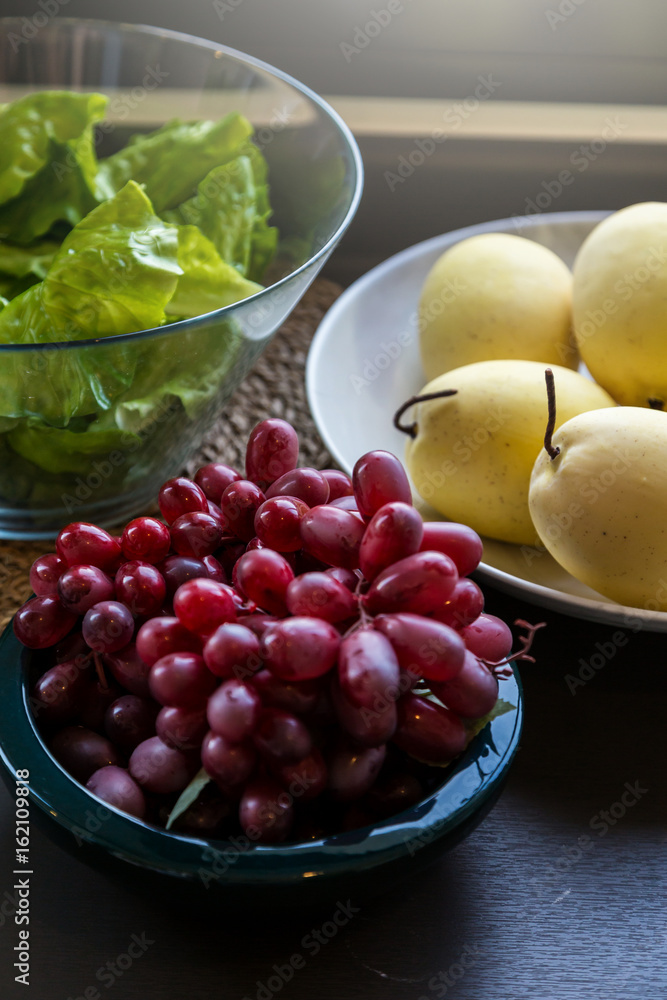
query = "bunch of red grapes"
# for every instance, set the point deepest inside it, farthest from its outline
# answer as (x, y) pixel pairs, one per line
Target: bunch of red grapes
(286, 632)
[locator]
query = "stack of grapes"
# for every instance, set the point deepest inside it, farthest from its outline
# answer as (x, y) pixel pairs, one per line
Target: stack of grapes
(302, 637)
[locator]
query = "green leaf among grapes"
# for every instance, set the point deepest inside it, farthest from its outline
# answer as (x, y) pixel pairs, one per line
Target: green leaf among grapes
(189, 795)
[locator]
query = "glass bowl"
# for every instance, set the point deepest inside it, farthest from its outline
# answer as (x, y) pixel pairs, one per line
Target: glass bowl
(345, 865)
(156, 391)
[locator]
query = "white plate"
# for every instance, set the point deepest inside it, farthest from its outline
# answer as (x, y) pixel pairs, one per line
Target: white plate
(364, 362)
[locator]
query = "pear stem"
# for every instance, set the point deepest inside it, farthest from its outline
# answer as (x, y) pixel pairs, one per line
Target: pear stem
(411, 429)
(552, 450)
(656, 404)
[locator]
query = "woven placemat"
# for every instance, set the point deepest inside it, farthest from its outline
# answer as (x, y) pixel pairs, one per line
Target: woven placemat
(274, 388)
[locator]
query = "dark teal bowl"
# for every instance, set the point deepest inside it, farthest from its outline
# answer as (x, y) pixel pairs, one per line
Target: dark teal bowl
(353, 864)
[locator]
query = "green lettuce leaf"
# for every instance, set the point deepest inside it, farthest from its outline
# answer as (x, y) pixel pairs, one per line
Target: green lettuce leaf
(171, 161)
(48, 165)
(64, 450)
(19, 261)
(207, 282)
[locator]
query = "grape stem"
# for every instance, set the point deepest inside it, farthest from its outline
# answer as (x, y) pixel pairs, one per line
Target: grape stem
(364, 617)
(501, 668)
(411, 429)
(100, 671)
(552, 451)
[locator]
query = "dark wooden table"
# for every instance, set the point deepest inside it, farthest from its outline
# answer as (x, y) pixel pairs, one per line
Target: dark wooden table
(560, 893)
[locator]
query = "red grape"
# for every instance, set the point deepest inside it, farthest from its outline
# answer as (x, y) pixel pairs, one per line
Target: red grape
(214, 569)
(489, 638)
(428, 731)
(300, 648)
(233, 710)
(333, 535)
(346, 503)
(114, 786)
(159, 768)
(146, 539)
(463, 607)
(196, 534)
(369, 727)
(80, 587)
(305, 484)
(160, 636)
(141, 587)
(59, 693)
(83, 543)
(129, 669)
(379, 478)
(297, 697)
(277, 523)
(265, 811)
(264, 575)
(368, 670)
(202, 605)
(272, 450)
(394, 532)
(320, 595)
(82, 751)
(181, 728)
(345, 576)
(180, 496)
(177, 570)
(214, 478)
(306, 778)
(129, 721)
(472, 693)
(232, 651)
(281, 736)
(181, 679)
(421, 583)
(45, 573)
(229, 764)
(239, 503)
(42, 622)
(353, 770)
(96, 699)
(339, 483)
(424, 647)
(458, 541)
(108, 626)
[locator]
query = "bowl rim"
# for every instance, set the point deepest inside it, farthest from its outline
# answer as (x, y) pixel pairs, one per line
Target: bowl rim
(469, 783)
(124, 27)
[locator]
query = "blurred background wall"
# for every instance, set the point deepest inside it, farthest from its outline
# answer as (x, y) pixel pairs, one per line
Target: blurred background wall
(538, 105)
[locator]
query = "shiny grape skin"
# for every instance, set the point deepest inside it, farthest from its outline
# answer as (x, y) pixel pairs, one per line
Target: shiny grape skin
(264, 575)
(108, 626)
(233, 710)
(181, 679)
(463, 607)
(214, 478)
(458, 541)
(265, 811)
(333, 535)
(305, 484)
(129, 721)
(129, 669)
(297, 697)
(146, 539)
(180, 496)
(320, 595)
(196, 534)
(394, 532)
(45, 572)
(472, 693)
(353, 770)
(489, 638)
(424, 647)
(82, 751)
(280, 736)
(339, 483)
(239, 503)
(80, 587)
(140, 587)
(42, 622)
(428, 731)
(117, 788)
(177, 570)
(277, 523)
(368, 669)
(370, 728)
(271, 451)
(160, 769)
(421, 583)
(181, 728)
(86, 544)
(299, 648)
(96, 701)
(229, 764)
(159, 636)
(379, 478)
(305, 779)
(203, 605)
(58, 696)
(232, 651)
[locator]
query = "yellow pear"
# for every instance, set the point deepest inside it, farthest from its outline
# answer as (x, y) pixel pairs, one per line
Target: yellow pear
(470, 455)
(600, 505)
(620, 303)
(496, 296)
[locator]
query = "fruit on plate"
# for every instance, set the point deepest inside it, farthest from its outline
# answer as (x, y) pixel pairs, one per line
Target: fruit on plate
(619, 297)
(202, 677)
(470, 454)
(598, 498)
(496, 296)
